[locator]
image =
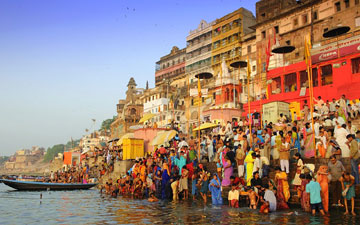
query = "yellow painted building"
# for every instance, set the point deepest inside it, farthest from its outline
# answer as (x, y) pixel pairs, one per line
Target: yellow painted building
(227, 33)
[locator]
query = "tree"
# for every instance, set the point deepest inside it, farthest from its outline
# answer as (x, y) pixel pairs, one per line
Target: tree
(53, 151)
(105, 125)
(3, 159)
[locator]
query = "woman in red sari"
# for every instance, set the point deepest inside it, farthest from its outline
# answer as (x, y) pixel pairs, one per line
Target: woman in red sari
(305, 197)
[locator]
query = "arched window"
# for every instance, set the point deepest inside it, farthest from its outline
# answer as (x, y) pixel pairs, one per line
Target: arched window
(133, 111)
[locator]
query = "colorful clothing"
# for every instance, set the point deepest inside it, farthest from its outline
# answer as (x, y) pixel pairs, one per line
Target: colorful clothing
(249, 167)
(215, 189)
(228, 172)
(351, 192)
(283, 192)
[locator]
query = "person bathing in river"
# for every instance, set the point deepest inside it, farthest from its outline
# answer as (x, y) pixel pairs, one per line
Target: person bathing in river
(233, 197)
(254, 198)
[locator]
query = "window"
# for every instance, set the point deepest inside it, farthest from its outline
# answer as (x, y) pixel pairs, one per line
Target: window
(253, 68)
(315, 15)
(355, 65)
(315, 77)
(216, 44)
(214, 95)
(347, 3)
(276, 29)
(276, 85)
(326, 75)
(337, 6)
(227, 94)
(305, 19)
(263, 34)
(249, 48)
(357, 21)
(290, 82)
(357, 2)
(288, 42)
(296, 22)
(263, 15)
(223, 42)
(192, 101)
(304, 81)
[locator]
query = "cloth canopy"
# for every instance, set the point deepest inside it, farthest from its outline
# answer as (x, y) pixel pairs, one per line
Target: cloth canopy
(163, 137)
(146, 117)
(206, 126)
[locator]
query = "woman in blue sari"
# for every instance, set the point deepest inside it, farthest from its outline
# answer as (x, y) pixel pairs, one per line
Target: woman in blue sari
(215, 189)
(165, 180)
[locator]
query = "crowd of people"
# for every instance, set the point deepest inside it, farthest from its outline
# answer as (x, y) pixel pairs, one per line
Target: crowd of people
(253, 167)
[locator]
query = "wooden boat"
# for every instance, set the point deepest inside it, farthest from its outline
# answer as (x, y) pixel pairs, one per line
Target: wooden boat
(39, 186)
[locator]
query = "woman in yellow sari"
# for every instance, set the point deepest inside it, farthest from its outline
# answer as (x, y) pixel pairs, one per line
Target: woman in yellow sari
(142, 170)
(283, 191)
(249, 160)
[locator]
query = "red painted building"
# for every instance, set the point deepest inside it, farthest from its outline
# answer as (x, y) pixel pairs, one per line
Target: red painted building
(336, 71)
(227, 94)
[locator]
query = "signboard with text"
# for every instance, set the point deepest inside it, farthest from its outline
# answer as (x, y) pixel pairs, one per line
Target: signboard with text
(194, 92)
(330, 51)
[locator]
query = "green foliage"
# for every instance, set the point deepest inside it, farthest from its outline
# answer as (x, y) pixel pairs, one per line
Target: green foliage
(105, 125)
(3, 159)
(52, 152)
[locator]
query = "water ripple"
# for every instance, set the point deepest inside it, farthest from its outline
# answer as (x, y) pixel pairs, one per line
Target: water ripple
(89, 207)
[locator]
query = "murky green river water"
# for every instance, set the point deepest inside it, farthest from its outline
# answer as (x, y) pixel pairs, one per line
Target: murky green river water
(89, 207)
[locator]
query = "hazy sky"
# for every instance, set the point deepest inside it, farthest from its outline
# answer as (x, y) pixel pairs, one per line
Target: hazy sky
(64, 62)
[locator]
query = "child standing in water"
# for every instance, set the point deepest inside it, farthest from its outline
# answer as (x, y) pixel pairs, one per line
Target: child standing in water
(194, 189)
(254, 198)
(204, 181)
(234, 197)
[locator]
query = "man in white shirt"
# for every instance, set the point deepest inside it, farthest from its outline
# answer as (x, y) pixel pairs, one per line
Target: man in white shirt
(319, 103)
(354, 111)
(324, 110)
(316, 126)
(338, 121)
(228, 127)
(236, 139)
(241, 123)
(340, 135)
(332, 107)
(257, 167)
(352, 129)
(269, 196)
(183, 143)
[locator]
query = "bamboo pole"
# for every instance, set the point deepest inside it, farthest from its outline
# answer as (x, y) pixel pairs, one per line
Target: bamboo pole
(199, 105)
(261, 119)
(249, 105)
(188, 107)
(311, 90)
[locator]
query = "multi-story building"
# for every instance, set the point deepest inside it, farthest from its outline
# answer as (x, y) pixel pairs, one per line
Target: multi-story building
(228, 35)
(287, 23)
(171, 66)
(198, 50)
(129, 110)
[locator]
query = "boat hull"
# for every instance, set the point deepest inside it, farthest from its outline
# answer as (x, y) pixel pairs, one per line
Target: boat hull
(40, 186)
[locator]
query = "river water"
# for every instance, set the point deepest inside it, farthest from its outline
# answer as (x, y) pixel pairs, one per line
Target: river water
(89, 207)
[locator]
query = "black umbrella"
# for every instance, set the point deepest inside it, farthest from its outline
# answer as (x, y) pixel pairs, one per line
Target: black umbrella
(336, 31)
(283, 49)
(205, 75)
(238, 64)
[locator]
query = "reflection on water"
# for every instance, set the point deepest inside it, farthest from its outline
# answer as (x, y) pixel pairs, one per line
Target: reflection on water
(88, 207)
